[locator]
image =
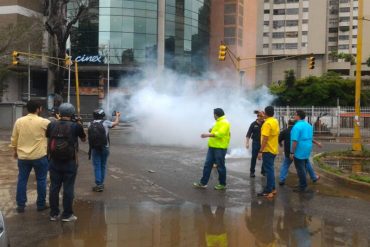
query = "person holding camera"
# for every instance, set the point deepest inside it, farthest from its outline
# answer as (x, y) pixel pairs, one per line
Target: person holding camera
(98, 133)
(63, 137)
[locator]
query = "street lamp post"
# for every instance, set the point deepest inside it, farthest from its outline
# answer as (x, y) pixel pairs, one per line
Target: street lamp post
(356, 142)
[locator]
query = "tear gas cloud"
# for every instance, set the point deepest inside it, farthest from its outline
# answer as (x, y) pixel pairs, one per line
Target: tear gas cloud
(172, 109)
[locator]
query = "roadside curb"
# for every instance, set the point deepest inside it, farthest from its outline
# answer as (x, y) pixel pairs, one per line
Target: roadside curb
(351, 183)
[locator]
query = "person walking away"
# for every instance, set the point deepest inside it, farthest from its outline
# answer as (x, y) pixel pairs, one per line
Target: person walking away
(269, 149)
(98, 135)
(30, 148)
(254, 132)
(301, 147)
(218, 142)
(63, 137)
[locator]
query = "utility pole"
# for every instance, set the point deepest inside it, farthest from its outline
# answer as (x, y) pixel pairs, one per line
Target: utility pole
(356, 141)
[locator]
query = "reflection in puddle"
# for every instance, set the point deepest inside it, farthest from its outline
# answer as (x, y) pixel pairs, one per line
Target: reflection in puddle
(262, 223)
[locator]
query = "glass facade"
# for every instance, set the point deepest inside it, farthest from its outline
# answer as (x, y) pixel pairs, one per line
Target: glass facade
(130, 29)
(187, 35)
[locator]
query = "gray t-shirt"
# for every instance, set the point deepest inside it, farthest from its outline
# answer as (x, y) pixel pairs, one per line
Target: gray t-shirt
(107, 125)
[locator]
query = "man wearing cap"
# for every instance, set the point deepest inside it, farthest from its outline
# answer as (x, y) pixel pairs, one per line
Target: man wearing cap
(218, 142)
(63, 169)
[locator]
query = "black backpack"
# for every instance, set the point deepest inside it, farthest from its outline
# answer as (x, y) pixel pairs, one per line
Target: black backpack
(62, 142)
(97, 136)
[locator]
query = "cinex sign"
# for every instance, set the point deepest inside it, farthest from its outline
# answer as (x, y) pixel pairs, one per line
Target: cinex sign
(89, 59)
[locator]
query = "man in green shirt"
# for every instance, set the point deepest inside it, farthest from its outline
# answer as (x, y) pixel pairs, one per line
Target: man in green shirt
(218, 142)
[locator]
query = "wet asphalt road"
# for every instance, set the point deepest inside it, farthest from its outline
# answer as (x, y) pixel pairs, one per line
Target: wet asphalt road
(149, 201)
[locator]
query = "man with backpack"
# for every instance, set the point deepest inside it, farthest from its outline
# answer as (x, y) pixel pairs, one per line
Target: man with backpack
(63, 137)
(29, 143)
(98, 133)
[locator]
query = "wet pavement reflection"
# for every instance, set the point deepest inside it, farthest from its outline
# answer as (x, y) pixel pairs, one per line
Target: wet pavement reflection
(261, 223)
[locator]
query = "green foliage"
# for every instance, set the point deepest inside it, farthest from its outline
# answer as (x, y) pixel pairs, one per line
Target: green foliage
(317, 91)
(361, 178)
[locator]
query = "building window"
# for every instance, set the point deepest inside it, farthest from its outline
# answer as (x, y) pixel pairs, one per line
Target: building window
(292, 11)
(345, 9)
(279, 1)
(230, 8)
(229, 41)
(266, 23)
(230, 20)
(266, 34)
(332, 39)
(265, 45)
(229, 32)
(354, 36)
(344, 1)
(278, 24)
(343, 47)
(354, 46)
(305, 21)
(343, 37)
(291, 46)
(291, 23)
(291, 34)
(278, 35)
(267, 1)
(333, 30)
(354, 27)
(240, 21)
(292, 1)
(266, 11)
(305, 9)
(343, 19)
(279, 46)
(304, 44)
(304, 32)
(279, 11)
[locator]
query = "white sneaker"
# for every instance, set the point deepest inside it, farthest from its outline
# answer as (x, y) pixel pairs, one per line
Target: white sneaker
(54, 218)
(70, 218)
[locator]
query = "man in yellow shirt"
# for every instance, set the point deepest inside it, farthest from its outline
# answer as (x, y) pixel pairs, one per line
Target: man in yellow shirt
(218, 142)
(30, 148)
(269, 149)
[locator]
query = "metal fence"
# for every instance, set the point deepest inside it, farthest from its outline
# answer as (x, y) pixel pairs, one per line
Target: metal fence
(328, 121)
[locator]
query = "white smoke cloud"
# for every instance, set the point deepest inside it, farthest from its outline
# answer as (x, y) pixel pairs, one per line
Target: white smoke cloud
(173, 109)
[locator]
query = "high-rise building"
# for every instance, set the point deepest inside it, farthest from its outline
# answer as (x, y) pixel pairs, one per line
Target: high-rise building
(233, 22)
(293, 30)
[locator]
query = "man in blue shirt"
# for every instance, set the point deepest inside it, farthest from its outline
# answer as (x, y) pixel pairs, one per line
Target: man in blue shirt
(301, 146)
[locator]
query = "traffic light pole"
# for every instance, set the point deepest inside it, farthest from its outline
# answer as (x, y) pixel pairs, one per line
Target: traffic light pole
(356, 141)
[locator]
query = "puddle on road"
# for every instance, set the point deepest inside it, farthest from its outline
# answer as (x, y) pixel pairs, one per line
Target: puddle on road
(149, 224)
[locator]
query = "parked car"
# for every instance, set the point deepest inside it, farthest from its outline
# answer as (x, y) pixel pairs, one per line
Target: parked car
(4, 240)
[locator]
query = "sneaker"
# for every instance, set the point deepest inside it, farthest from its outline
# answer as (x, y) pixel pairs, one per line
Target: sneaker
(220, 187)
(266, 194)
(98, 188)
(252, 175)
(70, 218)
(199, 185)
(54, 218)
(317, 179)
(20, 209)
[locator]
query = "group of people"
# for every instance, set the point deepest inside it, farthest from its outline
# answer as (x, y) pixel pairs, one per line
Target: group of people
(266, 138)
(52, 146)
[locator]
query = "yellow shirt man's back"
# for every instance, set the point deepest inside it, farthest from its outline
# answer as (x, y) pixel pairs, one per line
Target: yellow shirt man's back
(270, 128)
(29, 138)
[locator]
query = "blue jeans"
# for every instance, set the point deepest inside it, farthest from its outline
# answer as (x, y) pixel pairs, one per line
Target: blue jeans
(99, 161)
(300, 165)
(255, 148)
(215, 156)
(268, 167)
(41, 170)
(62, 173)
(285, 168)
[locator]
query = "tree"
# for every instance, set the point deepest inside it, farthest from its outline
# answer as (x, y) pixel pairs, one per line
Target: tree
(59, 24)
(17, 36)
(318, 91)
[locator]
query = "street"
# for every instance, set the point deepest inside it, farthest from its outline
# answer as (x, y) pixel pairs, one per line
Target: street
(149, 201)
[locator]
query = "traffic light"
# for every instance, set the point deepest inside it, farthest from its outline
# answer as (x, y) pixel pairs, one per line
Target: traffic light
(222, 53)
(15, 55)
(67, 60)
(311, 62)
